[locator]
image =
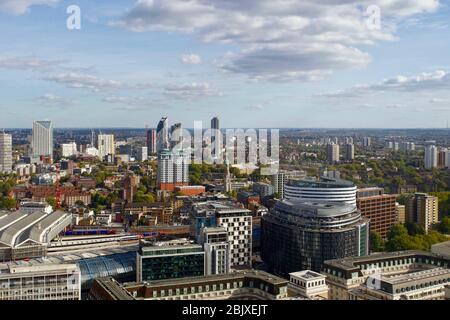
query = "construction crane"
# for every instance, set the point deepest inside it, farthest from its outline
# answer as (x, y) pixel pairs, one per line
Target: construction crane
(58, 189)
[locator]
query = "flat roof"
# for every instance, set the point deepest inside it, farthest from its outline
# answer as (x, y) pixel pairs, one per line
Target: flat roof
(322, 182)
(307, 274)
(442, 248)
(414, 276)
(351, 263)
(262, 275)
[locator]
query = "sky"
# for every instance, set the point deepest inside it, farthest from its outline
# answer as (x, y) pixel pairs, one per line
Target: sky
(253, 63)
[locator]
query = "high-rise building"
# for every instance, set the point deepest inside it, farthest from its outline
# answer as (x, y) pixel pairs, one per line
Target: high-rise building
(431, 156)
(332, 153)
(349, 152)
(238, 223)
(176, 134)
(105, 145)
(366, 142)
(142, 154)
(215, 138)
(299, 235)
(423, 210)
(380, 208)
(5, 153)
(217, 250)
(162, 134)
(42, 139)
(280, 179)
(173, 169)
(401, 212)
(151, 141)
(442, 158)
(69, 149)
(323, 189)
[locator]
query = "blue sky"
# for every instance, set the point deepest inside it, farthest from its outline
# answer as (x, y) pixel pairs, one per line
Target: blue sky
(254, 63)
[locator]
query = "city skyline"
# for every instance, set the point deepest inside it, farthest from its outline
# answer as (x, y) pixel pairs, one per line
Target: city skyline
(135, 61)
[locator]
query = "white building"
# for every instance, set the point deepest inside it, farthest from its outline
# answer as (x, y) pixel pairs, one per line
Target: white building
(238, 223)
(5, 153)
(308, 284)
(332, 153)
(173, 169)
(217, 250)
(105, 145)
(42, 138)
(349, 153)
(324, 189)
(29, 207)
(366, 142)
(279, 179)
(431, 156)
(40, 282)
(142, 154)
(69, 149)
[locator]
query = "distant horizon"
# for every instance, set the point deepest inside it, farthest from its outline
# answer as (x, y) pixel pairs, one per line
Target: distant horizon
(224, 128)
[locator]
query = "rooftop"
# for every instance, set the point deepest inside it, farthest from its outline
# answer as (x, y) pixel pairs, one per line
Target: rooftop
(322, 182)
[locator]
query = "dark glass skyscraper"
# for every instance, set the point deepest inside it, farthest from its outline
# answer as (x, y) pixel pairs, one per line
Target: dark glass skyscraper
(302, 235)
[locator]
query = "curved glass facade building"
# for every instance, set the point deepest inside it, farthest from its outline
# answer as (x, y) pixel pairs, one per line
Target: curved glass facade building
(299, 235)
(324, 189)
(121, 266)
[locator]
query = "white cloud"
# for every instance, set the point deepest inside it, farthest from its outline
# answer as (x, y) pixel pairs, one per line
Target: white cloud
(134, 103)
(426, 81)
(27, 63)
(189, 91)
(191, 58)
(84, 81)
(280, 39)
(51, 99)
(19, 7)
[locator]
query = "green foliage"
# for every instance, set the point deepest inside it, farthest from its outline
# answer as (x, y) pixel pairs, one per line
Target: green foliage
(399, 239)
(376, 242)
(444, 225)
(51, 201)
(7, 203)
(144, 197)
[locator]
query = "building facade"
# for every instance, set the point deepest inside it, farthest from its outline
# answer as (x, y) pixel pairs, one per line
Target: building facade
(388, 276)
(105, 145)
(322, 189)
(173, 169)
(380, 208)
(45, 282)
(169, 260)
(423, 210)
(300, 235)
(42, 139)
(5, 153)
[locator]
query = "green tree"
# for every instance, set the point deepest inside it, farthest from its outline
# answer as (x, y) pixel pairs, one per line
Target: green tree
(376, 242)
(444, 225)
(51, 201)
(7, 203)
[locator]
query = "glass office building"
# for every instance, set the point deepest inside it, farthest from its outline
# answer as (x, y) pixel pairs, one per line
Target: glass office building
(169, 262)
(300, 235)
